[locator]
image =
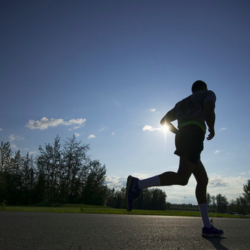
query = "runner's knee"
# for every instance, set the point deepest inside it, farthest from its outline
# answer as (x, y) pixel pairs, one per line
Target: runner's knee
(184, 181)
(203, 182)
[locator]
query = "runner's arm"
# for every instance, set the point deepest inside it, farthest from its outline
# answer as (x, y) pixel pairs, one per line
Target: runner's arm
(208, 109)
(167, 119)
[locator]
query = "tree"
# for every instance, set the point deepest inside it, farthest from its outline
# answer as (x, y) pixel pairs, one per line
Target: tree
(75, 169)
(158, 201)
(95, 190)
(209, 199)
(47, 169)
(15, 184)
(5, 156)
(213, 199)
(221, 203)
(246, 194)
(152, 199)
(28, 179)
(5, 171)
(57, 175)
(110, 198)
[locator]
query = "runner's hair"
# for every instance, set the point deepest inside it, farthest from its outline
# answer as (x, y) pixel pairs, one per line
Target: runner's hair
(197, 85)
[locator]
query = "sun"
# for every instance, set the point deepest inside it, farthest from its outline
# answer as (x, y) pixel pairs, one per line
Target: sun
(165, 129)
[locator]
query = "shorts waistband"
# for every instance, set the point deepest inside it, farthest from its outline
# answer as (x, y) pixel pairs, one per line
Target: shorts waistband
(202, 126)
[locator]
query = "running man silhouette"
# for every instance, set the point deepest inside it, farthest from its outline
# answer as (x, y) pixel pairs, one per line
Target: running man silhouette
(193, 114)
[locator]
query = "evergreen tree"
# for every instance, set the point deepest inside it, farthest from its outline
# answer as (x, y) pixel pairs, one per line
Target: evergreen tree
(95, 190)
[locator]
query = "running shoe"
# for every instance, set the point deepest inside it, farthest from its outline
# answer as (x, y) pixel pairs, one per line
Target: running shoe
(132, 192)
(211, 232)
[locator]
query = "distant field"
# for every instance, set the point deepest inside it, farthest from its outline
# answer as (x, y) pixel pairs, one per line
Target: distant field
(74, 208)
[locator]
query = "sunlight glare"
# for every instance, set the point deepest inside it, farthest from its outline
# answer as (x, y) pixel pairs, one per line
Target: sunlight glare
(165, 129)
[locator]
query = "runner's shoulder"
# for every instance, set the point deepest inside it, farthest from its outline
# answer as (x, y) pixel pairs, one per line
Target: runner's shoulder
(210, 96)
(205, 95)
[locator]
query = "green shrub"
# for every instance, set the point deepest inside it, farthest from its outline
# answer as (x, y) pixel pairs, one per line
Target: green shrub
(3, 204)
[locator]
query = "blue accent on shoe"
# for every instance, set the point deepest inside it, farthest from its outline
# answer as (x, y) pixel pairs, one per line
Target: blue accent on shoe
(132, 192)
(211, 232)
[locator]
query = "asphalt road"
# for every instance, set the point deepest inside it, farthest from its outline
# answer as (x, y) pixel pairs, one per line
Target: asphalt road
(54, 231)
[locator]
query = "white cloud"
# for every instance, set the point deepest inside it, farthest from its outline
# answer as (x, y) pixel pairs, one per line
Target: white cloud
(13, 146)
(231, 186)
(13, 137)
(242, 173)
(91, 136)
(223, 128)
(116, 182)
(217, 181)
(46, 123)
(77, 134)
(150, 128)
(119, 182)
(32, 152)
(217, 151)
(152, 110)
(140, 176)
(1, 129)
(113, 133)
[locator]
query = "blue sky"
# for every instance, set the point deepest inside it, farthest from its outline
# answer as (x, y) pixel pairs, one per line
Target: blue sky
(103, 70)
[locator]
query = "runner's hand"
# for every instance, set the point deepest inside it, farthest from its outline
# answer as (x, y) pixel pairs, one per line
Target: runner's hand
(211, 134)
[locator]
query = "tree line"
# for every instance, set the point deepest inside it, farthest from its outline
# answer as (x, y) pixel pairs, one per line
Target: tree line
(156, 199)
(149, 199)
(220, 204)
(59, 174)
(241, 205)
(64, 173)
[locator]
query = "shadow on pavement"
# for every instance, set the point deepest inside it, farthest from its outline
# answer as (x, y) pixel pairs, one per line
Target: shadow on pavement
(217, 242)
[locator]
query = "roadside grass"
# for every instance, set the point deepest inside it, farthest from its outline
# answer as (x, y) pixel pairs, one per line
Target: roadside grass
(80, 208)
(194, 248)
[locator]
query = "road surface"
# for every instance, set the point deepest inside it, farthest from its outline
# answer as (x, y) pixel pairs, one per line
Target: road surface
(55, 231)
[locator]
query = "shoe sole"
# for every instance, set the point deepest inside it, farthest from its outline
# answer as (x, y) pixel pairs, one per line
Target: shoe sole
(211, 235)
(127, 201)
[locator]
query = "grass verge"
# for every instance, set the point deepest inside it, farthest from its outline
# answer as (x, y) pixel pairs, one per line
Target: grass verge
(75, 208)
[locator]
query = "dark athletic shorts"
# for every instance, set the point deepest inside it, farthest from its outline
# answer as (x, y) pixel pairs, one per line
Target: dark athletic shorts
(189, 141)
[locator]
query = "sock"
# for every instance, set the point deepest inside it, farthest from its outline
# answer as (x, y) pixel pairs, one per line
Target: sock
(150, 182)
(204, 214)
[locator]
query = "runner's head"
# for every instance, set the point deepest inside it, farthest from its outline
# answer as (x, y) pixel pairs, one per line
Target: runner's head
(199, 86)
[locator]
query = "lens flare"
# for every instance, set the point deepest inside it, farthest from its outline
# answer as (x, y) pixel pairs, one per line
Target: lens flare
(165, 129)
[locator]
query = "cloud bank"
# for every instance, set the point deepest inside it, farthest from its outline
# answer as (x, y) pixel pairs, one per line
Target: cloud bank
(150, 128)
(116, 182)
(230, 186)
(46, 123)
